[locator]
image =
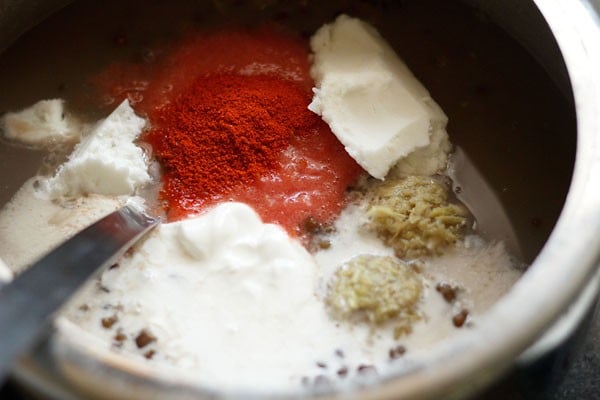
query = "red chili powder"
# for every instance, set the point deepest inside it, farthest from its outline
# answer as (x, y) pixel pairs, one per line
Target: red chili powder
(225, 131)
(234, 126)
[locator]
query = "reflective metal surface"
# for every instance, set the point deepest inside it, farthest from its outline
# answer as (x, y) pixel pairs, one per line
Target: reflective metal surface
(474, 359)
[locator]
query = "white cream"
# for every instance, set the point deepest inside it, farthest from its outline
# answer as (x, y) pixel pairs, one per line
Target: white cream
(371, 101)
(106, 161)
(232, 302)
(45, 122)
(5, 272)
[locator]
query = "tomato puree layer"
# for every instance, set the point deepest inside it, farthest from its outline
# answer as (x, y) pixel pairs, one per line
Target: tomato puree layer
(229, 122)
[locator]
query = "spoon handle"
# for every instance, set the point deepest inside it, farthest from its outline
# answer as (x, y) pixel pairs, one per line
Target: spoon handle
(28, 302)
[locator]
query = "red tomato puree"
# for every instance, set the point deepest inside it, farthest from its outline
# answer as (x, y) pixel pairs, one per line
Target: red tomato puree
(229, 122)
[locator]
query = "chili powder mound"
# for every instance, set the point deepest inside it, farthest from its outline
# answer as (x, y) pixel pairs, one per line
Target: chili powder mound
(229, 122)
(225, 131)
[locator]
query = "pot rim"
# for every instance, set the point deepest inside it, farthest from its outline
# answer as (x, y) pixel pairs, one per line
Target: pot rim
(556, 277)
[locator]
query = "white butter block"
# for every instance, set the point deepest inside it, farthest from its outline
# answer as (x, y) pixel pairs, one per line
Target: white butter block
(106, 161)
(368, 96)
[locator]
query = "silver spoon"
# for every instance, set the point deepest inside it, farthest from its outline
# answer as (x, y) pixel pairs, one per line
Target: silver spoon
(28, 302)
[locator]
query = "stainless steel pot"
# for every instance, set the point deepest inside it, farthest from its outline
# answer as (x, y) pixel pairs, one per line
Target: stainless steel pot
(470, 361)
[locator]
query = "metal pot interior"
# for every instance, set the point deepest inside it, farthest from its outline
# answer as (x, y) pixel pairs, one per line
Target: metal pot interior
(494, 67)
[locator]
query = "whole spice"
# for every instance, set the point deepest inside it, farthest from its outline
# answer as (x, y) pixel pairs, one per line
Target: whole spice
(397, 352)
(447, 291)
(459, 319)
(108, 322)
(120, 337)
(366, 369)
(144, 338)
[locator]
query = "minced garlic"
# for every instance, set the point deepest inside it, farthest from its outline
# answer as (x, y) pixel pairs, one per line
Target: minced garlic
(376, 289)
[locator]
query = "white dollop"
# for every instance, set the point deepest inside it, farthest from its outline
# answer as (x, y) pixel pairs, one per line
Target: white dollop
(226, 295)
(232, 238)
(106, 161)
(5, 272)
(371, 100)
(43, 123)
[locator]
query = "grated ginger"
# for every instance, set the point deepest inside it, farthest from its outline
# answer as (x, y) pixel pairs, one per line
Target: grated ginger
(413, 216)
